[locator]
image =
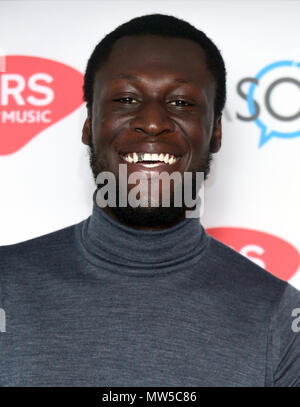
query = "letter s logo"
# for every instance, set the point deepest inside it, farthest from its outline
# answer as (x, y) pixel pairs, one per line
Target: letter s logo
(46, 90)
(253, 248)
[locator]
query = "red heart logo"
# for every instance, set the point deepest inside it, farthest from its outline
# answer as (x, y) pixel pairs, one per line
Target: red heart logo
(34, 94)
(270, 252)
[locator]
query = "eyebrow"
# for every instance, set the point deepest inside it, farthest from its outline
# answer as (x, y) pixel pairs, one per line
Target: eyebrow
(136, 78)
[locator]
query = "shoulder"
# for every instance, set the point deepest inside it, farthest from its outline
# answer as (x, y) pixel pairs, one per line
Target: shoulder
(40, 249)
(28, 266)
(284, 341)
(239, 275)
(255, 294)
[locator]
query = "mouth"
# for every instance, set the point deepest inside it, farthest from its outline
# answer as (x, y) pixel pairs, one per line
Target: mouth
(151, 160)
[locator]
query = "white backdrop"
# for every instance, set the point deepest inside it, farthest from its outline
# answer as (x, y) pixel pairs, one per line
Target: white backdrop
(47, 184)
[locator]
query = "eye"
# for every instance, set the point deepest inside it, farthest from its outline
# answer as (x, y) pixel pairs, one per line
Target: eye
(126, 100)
(180, 103)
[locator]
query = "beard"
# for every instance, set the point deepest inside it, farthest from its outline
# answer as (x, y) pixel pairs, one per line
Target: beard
(150, 216)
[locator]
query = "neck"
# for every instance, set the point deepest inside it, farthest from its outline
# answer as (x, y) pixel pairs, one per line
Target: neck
(104, 238)
(161, 226)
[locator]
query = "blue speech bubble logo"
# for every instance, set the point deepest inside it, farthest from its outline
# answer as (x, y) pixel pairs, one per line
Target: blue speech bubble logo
(266, 133)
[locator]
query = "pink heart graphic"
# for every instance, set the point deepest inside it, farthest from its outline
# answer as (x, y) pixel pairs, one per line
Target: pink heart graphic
(34, 94)
(271, 252)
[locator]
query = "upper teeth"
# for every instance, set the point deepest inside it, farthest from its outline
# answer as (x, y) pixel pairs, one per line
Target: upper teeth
(135, 157)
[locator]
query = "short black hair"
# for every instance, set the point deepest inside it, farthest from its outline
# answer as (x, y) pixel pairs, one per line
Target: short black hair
(163, 25)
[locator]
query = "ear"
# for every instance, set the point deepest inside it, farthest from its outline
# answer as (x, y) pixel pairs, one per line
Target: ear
(86, 131)
(216, 140)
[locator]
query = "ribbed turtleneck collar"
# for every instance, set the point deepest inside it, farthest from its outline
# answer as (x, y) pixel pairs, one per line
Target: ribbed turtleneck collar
(105, 239)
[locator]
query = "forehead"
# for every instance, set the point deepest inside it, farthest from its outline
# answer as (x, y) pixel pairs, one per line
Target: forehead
(156, 54)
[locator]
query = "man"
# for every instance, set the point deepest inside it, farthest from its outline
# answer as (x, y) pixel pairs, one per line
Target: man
(141, 295)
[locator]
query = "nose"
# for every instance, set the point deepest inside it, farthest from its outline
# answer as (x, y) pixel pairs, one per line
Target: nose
(152, 119)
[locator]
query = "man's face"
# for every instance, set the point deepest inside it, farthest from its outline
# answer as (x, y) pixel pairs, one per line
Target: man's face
(153, 95)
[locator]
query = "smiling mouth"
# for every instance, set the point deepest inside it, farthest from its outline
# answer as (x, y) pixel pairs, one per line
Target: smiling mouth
(149, 160)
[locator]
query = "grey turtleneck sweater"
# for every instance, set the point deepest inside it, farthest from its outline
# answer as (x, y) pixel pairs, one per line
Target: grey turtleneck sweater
(102, 304)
